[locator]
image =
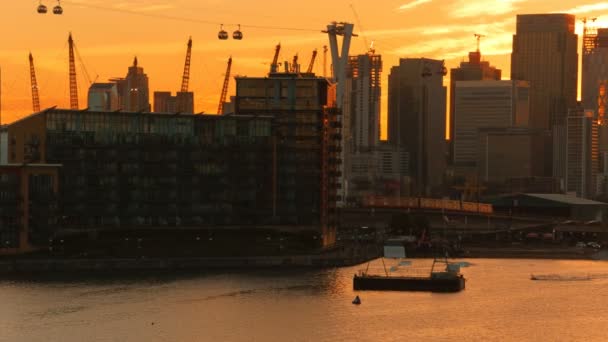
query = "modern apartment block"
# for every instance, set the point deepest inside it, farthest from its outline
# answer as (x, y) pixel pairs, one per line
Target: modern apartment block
(244, 177)
(362, 108)
(308, 134)
(545, 54)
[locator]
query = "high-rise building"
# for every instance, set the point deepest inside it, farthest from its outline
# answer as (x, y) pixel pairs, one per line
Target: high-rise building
(594, 83)
(103, 97)
(360, 116)
(134, 95)
(545, 54)
(362, 108)
(416, 118)
(582, 158)
(485, 104)
(473, 70)
(182, 102)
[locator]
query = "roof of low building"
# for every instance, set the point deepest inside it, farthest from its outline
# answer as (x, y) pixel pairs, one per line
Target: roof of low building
(568, 199)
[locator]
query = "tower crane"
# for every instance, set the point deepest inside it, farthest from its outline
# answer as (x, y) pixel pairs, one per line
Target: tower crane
(186, 76)
(294, 64)
(325, 61)
(35, 97)
(275, 60)
(73, 84)
(220, 108)
(312, 62)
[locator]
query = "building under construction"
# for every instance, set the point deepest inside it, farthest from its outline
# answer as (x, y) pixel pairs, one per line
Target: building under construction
(261, 181)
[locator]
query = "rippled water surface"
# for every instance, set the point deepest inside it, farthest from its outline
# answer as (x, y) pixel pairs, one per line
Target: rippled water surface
(500, 303)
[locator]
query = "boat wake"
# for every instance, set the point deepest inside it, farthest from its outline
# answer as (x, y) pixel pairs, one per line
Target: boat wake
(568, 277)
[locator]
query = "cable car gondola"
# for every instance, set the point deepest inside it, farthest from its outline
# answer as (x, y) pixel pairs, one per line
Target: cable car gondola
(58, 9)
(238, 35)
(222, 35)
(41, 8)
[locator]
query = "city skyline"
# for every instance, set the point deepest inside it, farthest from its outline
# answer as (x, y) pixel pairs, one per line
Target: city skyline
(156, 32)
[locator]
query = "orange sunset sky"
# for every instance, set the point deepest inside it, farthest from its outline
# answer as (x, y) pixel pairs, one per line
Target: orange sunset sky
(109, 33)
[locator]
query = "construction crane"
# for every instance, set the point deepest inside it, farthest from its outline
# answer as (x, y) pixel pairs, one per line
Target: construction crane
(275, 60)
(73, 84)
(35, 97)
(220, 108)
(325, 61)
(478, 37)
(312, 62)
(294, 64)
(186, 76)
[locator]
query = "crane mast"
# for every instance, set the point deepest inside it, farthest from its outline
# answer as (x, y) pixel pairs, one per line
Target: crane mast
(275, 60)
(220, 108)
(312, 61)
(294, 64)
(35, 97)
(186, 76)
(325, 61)
(73, 84)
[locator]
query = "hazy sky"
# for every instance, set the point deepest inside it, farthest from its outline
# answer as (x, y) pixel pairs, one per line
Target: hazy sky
(109, 33)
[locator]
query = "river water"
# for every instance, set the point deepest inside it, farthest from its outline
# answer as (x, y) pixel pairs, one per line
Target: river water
(500, 303)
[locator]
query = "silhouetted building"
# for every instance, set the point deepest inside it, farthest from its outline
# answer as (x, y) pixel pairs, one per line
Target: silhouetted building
(187, 184)
(582, 160)
(485, 104)
(361, 112)
(134, 95)
(416, 118)
(545, 54)
(28, 205)
(103, 97)
(182, 102)
(308, 145)
(594, 92)
(473, 70)
(362, 107)
(504, 153)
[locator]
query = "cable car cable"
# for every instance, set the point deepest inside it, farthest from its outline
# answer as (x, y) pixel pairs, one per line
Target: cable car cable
(193, 20)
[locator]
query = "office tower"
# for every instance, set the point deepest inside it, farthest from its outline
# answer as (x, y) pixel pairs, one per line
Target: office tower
(103, 97)
(133, 90)
(416, 118)
(545, 54)
(485, 104)
(582, 153)
(473, 70)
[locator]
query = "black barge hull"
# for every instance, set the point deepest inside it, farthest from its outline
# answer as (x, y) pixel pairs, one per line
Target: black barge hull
(380, 283)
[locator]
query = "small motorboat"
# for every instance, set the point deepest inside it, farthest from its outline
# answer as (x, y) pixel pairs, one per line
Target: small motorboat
(357, 300)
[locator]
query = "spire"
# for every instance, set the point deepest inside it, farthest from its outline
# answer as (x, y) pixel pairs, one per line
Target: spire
(135, 61)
